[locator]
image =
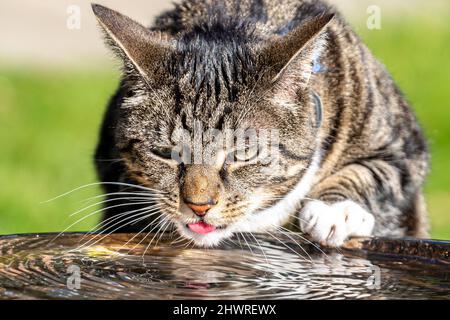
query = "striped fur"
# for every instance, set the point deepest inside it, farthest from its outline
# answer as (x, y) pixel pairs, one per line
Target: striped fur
(232, 64)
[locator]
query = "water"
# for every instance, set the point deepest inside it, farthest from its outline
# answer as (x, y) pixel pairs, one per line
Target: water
(34, 267)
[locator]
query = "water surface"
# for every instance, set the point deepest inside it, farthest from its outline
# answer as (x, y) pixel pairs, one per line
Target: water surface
(123, 267)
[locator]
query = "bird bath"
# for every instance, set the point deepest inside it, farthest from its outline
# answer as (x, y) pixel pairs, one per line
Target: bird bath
(124, 266)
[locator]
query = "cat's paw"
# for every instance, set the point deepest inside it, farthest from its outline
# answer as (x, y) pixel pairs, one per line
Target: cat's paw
(331, 225)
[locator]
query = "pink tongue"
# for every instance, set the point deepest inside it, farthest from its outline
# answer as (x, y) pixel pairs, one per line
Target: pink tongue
(201, 227)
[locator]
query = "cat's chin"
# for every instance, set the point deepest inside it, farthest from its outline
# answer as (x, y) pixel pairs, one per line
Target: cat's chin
(207, 240)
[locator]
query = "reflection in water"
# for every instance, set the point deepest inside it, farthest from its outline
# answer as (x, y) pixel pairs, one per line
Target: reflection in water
(36, 267)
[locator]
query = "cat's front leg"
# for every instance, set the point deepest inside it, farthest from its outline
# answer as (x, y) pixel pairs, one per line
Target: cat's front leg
(339, 205)
(332, 224)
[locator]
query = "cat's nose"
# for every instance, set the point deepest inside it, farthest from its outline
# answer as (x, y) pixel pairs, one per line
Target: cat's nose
(200, 209)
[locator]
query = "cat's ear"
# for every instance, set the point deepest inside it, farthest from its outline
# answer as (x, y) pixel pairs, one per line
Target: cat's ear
(289, 59)
(135, 44)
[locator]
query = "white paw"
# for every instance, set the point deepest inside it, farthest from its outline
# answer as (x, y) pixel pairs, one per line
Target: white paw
(332, 224)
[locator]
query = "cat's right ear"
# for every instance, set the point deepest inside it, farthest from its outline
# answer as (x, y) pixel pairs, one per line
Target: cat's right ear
(134, 43)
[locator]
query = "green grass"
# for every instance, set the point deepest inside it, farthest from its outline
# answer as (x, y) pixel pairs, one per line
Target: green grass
(49, 122)
(48, 128)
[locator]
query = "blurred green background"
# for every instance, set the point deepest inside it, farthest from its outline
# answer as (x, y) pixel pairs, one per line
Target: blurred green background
(50, 115)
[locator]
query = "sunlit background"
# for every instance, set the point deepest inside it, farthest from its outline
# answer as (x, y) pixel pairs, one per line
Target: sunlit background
(55, 83)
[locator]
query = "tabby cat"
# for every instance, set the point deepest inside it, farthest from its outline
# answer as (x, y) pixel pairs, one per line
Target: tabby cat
(350, 155)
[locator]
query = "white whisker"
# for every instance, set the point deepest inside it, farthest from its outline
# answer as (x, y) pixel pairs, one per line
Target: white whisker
(260, 247)
(299, 245)
(91, 214)
(88, 244)
(285, 245)
(305, 239)
(109, 220)
(105, 201)
(102, 183)
(137, 194)
(245, 239)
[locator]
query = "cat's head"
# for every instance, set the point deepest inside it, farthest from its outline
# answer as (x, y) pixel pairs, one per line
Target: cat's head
(218, 120)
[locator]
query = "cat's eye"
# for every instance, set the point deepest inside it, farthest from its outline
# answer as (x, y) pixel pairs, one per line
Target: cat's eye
(247, 154)
(163, 152)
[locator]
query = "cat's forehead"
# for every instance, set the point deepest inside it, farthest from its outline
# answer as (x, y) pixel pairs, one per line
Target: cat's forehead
(208, 79)
(211, 82)
(212, 69)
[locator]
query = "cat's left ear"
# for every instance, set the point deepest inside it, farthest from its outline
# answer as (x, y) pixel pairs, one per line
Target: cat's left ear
(139, 47)
(289, 59)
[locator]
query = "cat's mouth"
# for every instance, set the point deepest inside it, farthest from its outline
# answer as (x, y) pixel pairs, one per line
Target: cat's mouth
(203, 233)
(201, 227)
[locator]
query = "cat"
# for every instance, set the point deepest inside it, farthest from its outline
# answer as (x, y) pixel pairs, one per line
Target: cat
(351, 157)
